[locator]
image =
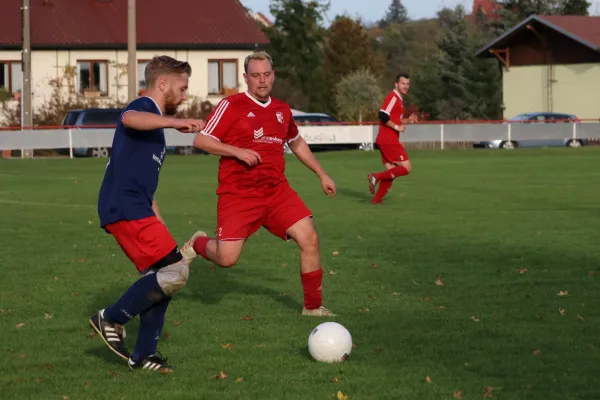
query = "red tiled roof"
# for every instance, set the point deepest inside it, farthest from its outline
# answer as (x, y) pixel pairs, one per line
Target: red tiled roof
(103, 23)
(585, 28)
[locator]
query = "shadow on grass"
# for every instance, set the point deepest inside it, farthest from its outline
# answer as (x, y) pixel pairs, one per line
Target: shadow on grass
(363, 196)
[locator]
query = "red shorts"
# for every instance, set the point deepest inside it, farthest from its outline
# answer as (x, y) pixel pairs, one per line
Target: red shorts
(393, 152)
(238, 216)
(145, 241)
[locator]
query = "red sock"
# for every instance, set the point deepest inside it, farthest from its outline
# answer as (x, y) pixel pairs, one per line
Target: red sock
(200, 246)
(311, 283)
(391, 173)
(382, 190)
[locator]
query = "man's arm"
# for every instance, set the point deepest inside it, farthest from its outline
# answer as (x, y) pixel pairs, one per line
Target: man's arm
(146, 121)
(216, 147)
(385, 118)
(156, 212)
(300, 148)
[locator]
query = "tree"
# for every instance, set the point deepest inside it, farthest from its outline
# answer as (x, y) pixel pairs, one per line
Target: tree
(396, 14)
(358, 96)
(296, 44)
(575, 7)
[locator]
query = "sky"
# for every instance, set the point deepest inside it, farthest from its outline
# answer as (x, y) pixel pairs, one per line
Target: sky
(374, 10)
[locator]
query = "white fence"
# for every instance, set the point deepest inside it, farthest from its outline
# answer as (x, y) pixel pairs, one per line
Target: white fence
(78, 141)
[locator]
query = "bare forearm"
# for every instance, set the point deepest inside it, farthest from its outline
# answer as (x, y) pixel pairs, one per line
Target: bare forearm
(145, 121)
(213, 146)
(393, 125)
(302, 151)
(156, 211)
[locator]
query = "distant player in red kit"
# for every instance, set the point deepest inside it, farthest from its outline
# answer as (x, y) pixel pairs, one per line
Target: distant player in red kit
(394, 156)
(248, 130)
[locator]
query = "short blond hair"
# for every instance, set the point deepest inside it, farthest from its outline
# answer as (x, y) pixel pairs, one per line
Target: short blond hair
(259, 56)
(165, 65)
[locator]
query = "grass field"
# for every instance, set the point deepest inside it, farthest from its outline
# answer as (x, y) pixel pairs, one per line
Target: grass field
(510, 237)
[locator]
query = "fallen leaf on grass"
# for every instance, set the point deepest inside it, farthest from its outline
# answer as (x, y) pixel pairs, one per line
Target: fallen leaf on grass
(374, 266)
(335, 380)
(537, 352)
(341, 396)
(23, 356)
(563, 293)
(442, 307)
(474, 319)
(427, 379)
(88, 383)
(48, 316)
(372, 297)
(427, 299)
(239, 380)
(458, 394)
(358, 237)
(561, 311)
(92, 334)
(166, 371)
(114, 373)
(438, 281)
(579, 317)
(247, 318)
(20, 325)
(284, 265)
(522, 270)
(395, 294)
(336, 253)
(363, 310)
(177, 323)
(228, 346)
(377, 350)
(488, 392)
(261, 346)
(331, 272)
(592, 274)
(222, 375)
(169, 336)
(65, 397)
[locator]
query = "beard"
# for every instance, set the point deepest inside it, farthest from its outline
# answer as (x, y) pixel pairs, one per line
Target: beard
(171, 105)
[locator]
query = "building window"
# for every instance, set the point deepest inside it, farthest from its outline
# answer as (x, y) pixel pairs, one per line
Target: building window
(222, 76)
(141, 77)
(92, 77)
(11, 76)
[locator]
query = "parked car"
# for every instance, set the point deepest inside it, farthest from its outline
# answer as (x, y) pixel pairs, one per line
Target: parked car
(536, 117)
(324, 120)
(103, 116)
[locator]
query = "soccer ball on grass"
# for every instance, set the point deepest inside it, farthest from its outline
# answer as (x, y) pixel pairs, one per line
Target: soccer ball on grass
(330, 342)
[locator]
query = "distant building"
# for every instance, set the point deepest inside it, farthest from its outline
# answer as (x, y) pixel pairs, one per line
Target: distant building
(550, 63)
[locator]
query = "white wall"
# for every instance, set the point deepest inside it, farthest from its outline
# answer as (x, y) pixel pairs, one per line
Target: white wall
(49, 65)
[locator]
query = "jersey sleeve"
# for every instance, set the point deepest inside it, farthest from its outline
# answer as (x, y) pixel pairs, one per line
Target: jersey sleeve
(389, 103)
(220, 120)
(293, 132)
(143, 104)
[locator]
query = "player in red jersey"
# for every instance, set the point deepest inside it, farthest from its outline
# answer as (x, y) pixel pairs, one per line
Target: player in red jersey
(393, 155)
(248, 130)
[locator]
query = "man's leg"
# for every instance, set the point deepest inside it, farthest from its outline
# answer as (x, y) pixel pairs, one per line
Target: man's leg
(397, 164)
(224, 253)
(289, 217)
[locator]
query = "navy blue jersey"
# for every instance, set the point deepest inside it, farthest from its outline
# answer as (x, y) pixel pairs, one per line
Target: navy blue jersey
(132, 171)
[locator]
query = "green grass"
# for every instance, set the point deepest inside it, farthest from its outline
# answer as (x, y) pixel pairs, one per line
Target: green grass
(473, 218)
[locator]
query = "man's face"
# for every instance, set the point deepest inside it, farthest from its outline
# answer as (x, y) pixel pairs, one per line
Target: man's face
(260, 78)
(175, 90)
(402, 85)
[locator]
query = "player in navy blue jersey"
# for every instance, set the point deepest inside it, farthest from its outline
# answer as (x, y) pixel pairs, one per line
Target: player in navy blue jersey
(128, 210)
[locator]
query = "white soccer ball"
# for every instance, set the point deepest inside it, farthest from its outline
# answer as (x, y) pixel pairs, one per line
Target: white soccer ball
(330, 342)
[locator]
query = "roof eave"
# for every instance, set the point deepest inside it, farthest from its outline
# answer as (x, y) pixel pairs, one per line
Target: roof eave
(506, 34)
(140, 46)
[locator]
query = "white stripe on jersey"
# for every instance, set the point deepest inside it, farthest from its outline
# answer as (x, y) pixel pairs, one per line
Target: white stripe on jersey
(391, 105)
(216, 117)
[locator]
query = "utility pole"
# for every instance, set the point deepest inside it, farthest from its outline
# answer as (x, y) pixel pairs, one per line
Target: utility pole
(26, 108)
(131, 52)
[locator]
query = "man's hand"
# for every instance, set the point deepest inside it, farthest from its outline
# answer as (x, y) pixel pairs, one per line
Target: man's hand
(328, 185)
(250, 157)
(401, 127)
(413, 119)
(188, 125)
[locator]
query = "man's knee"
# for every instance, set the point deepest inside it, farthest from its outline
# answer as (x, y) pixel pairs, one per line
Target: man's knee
(308, 239)
(228, 253)
(173, 278)
(227, 260)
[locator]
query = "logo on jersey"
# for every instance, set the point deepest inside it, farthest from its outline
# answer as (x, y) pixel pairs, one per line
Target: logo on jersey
(279, 117)
(250, 115)
(259, 137)
(159, 159)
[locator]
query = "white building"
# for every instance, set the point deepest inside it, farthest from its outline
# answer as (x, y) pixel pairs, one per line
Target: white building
(82, 45)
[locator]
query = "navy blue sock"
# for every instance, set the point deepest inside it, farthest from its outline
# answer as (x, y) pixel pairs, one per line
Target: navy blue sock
(151, 324)
(139, 297)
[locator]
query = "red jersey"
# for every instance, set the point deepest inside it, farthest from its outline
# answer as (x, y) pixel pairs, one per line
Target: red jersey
(393, 107)
(242, 121)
